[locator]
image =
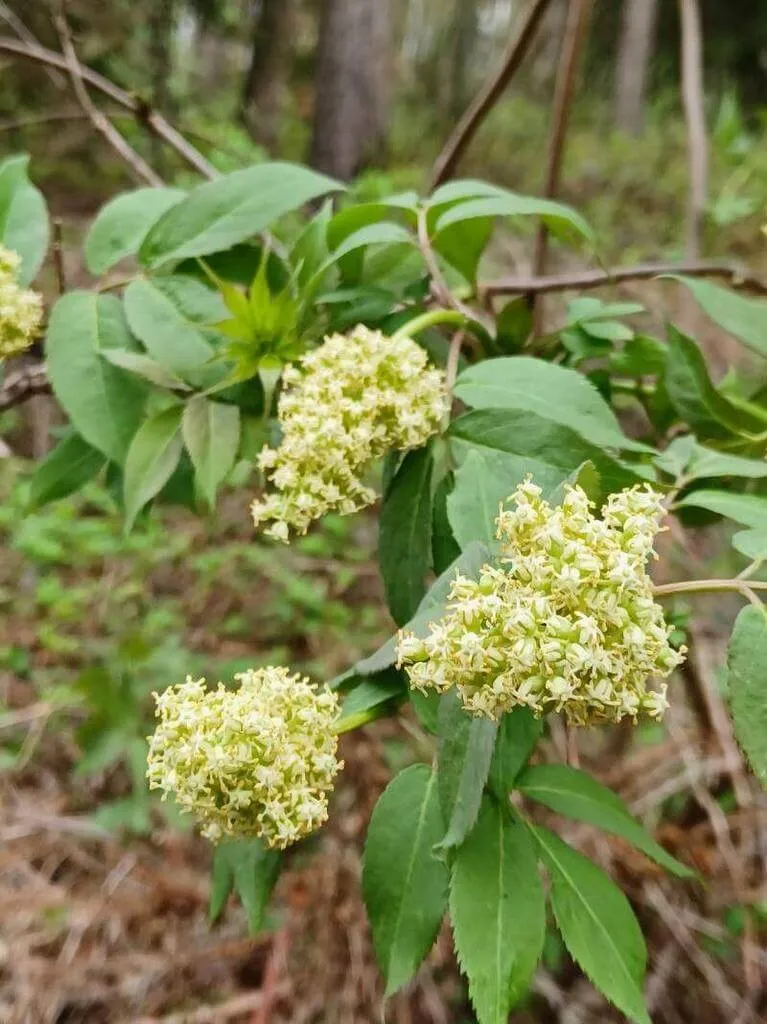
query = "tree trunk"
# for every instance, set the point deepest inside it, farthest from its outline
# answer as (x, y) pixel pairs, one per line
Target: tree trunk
(465, 28)
(634, 53)
(351, 112)
(264, 85)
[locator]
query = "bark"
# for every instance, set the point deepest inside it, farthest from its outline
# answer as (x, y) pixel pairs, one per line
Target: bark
(353, 76)
(634, 53)
(264, 86)
(465, 29)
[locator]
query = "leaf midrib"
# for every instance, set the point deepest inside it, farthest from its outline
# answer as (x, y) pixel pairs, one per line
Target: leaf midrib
(566, 875)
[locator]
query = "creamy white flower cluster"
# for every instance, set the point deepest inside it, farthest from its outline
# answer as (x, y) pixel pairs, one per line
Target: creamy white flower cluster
(21, 310)
(347, 403)
(258, 761)
(567, 623)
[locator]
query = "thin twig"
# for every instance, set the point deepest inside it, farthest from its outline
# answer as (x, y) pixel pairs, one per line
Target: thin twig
(17, 25)
(575, 37)
(100, 122)
(153, 121)
(489, 94)
(58, 257)
(692, 97)
(737, 275)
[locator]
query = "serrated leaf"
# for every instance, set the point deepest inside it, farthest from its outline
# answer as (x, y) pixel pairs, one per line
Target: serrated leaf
(518, 733)
(404, 885)
(694, 397)
(553, 392)
(685, 456)
(444, 547)
(404, 544)
(745, 319)
(103, 402)
(747, 509)
(464, 750)
(498, 912)
(24, 225)
(431, 607)
(151, 459)
(233, 208)
(747, 686)
(484, 200)
(72, 463)
(211, 432)
(122, 224)
(248, 868)
(143, 366)
(525, 434)
(577, 795)
(173, 317)
(597, 924)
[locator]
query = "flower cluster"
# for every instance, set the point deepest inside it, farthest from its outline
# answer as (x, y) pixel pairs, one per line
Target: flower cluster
(347, 403)
(257, 761)
(567, 622)
(21, 310)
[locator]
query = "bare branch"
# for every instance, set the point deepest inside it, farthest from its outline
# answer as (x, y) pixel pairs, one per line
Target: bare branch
(22, 384)
(575, 36)
(151, 119)
(692, 96)
(100, 122)
(737, 276)
(490, 93)
(17, 25)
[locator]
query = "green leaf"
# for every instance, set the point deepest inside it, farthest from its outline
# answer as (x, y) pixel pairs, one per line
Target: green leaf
(462, 244)
(404, 885)
(514, 324)
(431, 607)
(517, 432)
(152, 457)
(744, 318)
(383, 690)
(122, 224)
(684, 456)
(498, 912)
(72, 463)
(173, 317)
(694, 397)
(24, 223)
(250, 869)
(444, 547)
(103, 403)
(747, 686)
(748, 509)
(518, 733)
(491, 201)
(219, 214)
(553, 392)
(465, 748)
(143, 366)
(641, 356)
(751, 543)
(577, 795)
(211, 432)
(404, 546)
(597, 924)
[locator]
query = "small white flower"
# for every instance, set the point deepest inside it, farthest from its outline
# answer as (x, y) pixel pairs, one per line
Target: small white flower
(21, 310)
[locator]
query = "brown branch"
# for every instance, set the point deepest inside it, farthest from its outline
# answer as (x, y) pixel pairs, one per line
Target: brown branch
(152, 121)
(100, 122)
(22, 384)
(58, 256)
(572, 45)
(738, 277)
(488, 96)
(692, 97)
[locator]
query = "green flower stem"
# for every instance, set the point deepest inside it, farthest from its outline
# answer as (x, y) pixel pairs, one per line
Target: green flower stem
(430, 319)
(738, 586)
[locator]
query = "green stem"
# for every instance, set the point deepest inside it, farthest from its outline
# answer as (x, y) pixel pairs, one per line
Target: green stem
(348, 723)
(430, 319)
(708, 586)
